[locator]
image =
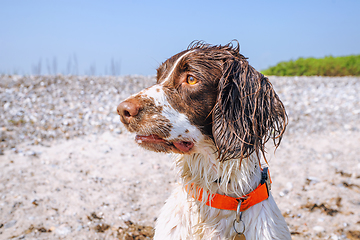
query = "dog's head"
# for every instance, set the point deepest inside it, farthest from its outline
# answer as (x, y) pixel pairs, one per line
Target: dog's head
(206, 93)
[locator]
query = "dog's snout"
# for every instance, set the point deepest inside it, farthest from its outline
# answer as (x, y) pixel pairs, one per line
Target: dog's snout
(128, 109)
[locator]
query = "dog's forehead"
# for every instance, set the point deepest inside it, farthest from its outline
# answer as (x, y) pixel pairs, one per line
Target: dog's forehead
(166, 70)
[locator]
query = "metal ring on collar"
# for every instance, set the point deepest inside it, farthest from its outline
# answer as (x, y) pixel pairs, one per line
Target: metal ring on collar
(243, 230)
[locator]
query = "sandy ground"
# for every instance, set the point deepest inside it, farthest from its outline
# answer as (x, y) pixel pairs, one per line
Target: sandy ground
(91, 187)
(99, 184)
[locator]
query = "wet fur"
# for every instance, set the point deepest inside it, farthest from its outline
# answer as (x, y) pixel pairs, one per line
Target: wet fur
(229, 115)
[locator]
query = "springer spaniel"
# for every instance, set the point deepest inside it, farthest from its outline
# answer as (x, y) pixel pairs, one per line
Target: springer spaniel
(216, 112)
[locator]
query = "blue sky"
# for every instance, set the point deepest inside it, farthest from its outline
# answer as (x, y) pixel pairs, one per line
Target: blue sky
(138, 35)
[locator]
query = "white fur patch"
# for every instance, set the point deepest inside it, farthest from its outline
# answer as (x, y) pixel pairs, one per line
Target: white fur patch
(181, 125)
(155, 92)
(175, 65)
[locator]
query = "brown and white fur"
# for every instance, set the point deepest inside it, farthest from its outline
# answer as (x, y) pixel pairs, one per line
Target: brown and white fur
(215, 112)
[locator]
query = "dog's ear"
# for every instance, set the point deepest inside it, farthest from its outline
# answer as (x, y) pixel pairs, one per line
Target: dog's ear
(247, 113)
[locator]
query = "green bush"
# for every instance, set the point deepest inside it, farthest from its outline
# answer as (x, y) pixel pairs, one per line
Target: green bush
(327, 66)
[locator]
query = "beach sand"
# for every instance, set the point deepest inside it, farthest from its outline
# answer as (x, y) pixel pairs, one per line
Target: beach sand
(100, 185)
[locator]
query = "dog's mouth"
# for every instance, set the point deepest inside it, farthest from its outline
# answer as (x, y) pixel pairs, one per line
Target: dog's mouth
(154, 142)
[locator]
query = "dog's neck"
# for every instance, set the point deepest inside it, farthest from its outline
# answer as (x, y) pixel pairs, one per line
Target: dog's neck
(233, 177)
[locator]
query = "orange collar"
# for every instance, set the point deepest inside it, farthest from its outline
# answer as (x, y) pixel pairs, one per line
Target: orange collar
(224, 202)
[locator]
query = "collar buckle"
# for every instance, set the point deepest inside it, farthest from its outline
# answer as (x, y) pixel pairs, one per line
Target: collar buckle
(265, 178)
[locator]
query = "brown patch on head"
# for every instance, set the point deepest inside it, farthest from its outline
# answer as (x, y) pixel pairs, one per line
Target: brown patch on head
(229, 100)
(197, 98)
(187, 130)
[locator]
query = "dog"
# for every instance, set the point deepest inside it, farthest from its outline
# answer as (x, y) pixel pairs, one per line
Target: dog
(215, 112)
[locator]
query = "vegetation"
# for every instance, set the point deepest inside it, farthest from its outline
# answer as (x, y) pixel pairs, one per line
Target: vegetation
(328, 66)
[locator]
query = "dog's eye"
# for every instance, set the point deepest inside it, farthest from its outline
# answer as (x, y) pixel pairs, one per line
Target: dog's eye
(191, 80)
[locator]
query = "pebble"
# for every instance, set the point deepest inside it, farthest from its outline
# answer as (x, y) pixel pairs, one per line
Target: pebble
(319, 229)
(63, 230)
(334, 237)
(289, 186)
(283, 193)
(313, 180)
(10, 224)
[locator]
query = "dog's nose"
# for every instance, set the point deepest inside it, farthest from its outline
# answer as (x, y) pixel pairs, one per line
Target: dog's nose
(127, 110)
